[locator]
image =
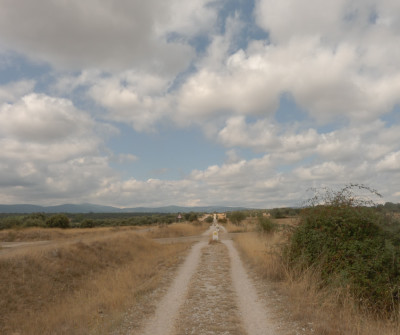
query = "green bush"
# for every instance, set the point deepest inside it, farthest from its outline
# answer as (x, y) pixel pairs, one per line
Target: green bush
(237, 217)
(11, 222)
(58, 221)
(266, 225)
(343, 239)
(209, 219)
(87, 223)
(277, 213)
(190, 216)
(222, 220)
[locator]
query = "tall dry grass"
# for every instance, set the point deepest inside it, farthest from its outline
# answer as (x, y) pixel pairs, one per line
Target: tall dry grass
(331, 312)
(178, 230)
(79, 288)
(41, 234)
(247, 225)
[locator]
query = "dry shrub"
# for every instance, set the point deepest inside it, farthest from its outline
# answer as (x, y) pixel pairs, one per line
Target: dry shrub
(81, 287)
(178, 230)
(247, 225)
(331, 311)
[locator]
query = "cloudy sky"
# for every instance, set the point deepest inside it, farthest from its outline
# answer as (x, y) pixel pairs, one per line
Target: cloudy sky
(198, 102)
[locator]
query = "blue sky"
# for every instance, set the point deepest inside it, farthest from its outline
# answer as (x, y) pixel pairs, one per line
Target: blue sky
(246, 103)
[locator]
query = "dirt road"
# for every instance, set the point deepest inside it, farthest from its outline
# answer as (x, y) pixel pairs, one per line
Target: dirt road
(211, 294)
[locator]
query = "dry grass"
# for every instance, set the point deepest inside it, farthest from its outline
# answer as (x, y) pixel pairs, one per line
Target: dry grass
(45, 234)
(251, 224)
(79, 288)
(247, 225)
(332, 312)
(291, 221)
(178, 230)
(262, 251)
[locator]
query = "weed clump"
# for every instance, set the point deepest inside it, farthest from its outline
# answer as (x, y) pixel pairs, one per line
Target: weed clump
(341, 236)
(265, 225)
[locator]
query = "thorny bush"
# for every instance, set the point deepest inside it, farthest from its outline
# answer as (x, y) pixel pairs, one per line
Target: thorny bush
(341, 234)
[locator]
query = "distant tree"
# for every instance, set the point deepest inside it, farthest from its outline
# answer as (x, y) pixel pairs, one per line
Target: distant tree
(87, 223)
(58, 221)
(237, 217)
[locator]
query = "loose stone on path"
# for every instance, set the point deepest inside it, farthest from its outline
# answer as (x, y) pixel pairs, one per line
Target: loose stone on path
(211, 303)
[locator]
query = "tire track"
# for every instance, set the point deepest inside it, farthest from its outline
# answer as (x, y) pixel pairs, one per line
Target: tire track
(254, 315)
(211, 305)
(163, 320)
(212, 294)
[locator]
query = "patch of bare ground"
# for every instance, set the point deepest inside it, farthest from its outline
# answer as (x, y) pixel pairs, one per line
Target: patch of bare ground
(211, 304)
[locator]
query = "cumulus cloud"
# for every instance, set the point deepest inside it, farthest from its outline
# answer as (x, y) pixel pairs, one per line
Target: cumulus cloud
(13, 91)
(104, 34)
(136, 63)
(135, 98)
(41, 118)
(50, 150)
(390, 162)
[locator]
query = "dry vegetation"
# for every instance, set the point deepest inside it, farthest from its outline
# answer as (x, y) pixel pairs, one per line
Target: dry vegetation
(45, 234)
(82, 287)
(330, 312)
(247, 225)
(178, 230)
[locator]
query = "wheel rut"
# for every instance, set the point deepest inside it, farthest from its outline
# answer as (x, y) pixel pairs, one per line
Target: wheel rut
(211, 294)
(211, 304)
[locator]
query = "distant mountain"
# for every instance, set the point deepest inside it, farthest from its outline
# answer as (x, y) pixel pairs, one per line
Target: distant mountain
(180, 209)
(20, 209)
(66, 208)
(92, 208)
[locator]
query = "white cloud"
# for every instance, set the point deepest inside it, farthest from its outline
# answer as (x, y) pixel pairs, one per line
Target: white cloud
(390, 162)
(328, 171)
(262, 135)
(104, 34)
(339, 60)
(13, 91)
(50, 151)
(134, 98)
(41, 118)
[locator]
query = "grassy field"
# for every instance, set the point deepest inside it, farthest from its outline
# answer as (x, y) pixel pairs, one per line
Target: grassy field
(81, 287)
(46, 234)
(326, 309)
(177, 230)
(246, 225)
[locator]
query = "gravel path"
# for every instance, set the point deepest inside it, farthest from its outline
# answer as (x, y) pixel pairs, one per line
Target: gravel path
(254, 315)
(162, 322)
(211, 304)
(211, 295)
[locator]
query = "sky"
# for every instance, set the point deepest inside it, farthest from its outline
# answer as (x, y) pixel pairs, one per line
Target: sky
(226, 102)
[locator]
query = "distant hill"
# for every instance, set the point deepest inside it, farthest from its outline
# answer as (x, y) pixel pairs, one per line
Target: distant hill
(92, 208)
